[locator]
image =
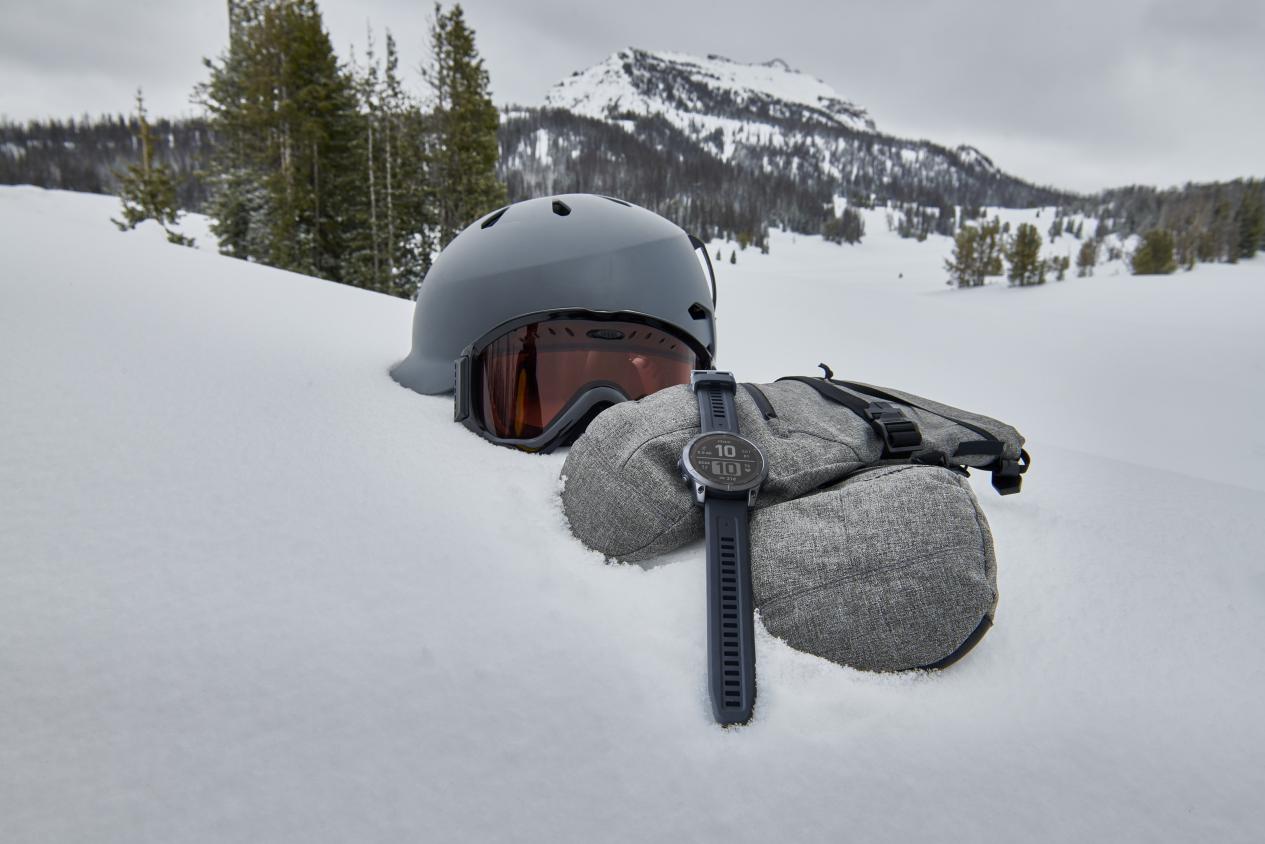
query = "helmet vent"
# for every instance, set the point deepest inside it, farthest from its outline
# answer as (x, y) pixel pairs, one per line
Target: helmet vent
(616, 201)
(698, 311)
(491, 221)
(605, 334)
(561, 208)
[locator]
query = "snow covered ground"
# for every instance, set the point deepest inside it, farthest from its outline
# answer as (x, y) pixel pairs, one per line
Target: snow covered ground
(252, 590)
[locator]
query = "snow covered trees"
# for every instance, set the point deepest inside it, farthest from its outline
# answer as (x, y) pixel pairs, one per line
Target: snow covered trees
(1218, 221)
(336, 171)
(147, 189)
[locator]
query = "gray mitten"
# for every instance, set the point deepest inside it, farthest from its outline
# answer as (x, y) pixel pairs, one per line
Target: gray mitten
(624, 496)
(890, 570)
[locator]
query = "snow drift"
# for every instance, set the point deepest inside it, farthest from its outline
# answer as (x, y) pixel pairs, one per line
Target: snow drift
(252, 590)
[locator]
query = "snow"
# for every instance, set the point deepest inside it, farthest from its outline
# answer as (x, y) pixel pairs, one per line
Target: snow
(972, 157)
(542, 147)
(733, 108)
(611, 87)
(252, 590)
(606, 87)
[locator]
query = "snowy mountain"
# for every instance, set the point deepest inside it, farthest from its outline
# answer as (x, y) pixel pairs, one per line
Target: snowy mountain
(769, 119)
(253, 590)
(710, 91)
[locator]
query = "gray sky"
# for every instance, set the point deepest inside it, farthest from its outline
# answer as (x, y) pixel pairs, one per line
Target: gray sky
(1080, 94)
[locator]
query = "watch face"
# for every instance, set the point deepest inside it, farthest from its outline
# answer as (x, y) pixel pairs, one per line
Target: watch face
(726, 460)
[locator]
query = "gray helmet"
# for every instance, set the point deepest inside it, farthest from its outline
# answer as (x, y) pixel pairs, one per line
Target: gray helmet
(577, 252)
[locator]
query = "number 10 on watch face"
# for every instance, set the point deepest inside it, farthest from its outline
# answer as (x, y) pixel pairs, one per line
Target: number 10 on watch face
(726, 460)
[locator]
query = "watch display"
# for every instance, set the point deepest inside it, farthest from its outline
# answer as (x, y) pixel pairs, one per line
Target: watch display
(726, 460)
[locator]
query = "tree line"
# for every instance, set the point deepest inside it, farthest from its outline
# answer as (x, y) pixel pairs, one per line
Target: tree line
(340, 170)
(335, 169)
(655, 165)
(1179, 227)
(1190, 225)
(90, 154)
(984, 248)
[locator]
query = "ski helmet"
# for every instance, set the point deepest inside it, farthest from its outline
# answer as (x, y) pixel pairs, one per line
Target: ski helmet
(570, 292)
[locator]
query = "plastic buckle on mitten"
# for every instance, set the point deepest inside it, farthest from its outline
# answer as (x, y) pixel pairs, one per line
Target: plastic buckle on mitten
(900, 435)
(936, 457)
(1008, 476)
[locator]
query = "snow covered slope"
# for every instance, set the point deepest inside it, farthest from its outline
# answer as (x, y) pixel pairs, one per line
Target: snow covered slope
(642, 82)
(773, 118)
(252, 590)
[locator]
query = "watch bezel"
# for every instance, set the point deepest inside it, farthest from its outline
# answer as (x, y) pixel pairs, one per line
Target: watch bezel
(699, 481)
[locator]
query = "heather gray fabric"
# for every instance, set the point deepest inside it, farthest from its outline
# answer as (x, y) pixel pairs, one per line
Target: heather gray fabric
(891, 569)
(623, 493)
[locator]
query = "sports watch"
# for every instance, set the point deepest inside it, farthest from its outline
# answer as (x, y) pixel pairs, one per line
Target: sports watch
(725, 472)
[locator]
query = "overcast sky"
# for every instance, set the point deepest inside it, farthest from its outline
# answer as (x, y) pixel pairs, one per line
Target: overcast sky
(1080, 94)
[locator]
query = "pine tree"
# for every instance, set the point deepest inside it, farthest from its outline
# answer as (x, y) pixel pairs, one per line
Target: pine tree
(1187, 247)
(387, 220)
(733, 256)
(853, 225)
(989, 249)
(848, 227)
(366, 250)
(1087, 258)
(1225, 231)
(464, 122)
(1206, 245)
(963, 265)
(1061, 265)
(238, 202)
(147, 189)
(1154, 256)
(409, 193)
(1024, 255)
(1251, 218)
(285, 114)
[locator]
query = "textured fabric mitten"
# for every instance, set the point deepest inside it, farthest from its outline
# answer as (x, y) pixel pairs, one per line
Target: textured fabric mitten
(890, 570)
(623, 492)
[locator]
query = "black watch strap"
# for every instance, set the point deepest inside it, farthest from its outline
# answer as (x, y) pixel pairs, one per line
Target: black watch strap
(730, 625)
(730, 610)
(716, 408)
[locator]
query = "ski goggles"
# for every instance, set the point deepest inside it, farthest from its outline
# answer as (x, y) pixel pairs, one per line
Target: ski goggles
(536, 381)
